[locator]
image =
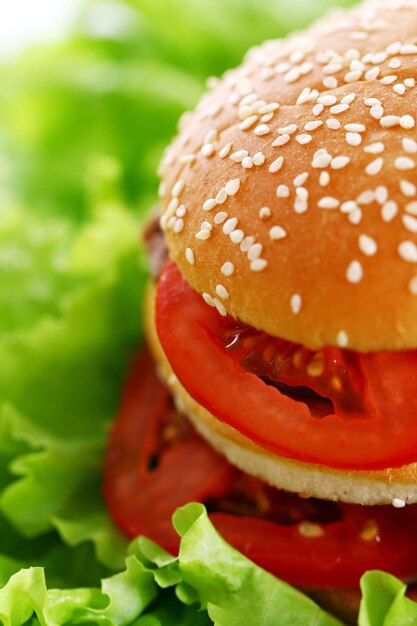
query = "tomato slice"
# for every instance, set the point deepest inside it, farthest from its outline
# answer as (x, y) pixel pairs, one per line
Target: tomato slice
(155, 462)
(372, 425)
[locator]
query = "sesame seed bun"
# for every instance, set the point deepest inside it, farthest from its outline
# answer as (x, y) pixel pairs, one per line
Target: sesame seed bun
(290, 194)
(396, 486)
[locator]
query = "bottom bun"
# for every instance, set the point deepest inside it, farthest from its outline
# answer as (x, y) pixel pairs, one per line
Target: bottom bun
(361, 487)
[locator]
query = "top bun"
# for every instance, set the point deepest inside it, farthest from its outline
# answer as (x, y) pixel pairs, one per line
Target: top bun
(290, 194)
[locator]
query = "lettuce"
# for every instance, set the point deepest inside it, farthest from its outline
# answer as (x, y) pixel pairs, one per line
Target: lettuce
(209, 582)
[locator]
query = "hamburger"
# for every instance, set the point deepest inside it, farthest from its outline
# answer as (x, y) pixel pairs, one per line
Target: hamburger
(282, 314)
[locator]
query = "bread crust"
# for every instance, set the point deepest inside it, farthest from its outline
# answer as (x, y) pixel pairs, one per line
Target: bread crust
(361, 487)
(323, 246)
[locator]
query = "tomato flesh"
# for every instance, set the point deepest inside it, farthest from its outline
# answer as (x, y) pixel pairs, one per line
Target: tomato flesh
(155, 462)
(372, 397)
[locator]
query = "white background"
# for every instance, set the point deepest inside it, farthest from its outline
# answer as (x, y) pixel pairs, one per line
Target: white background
(23, 22)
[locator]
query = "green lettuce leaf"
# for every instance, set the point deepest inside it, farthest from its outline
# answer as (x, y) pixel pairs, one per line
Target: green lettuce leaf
(208, 583)
(384, 602)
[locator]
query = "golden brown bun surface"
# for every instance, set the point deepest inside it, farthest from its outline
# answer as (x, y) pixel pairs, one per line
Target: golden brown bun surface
(362, 487)
(322, 246)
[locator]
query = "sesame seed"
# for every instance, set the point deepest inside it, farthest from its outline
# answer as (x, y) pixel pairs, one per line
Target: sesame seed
(318, 109)
(321, 160)
(381, 194)
(339, 162)
(353, 139)
(366, 197)
(227, 268)
(409, 145)
(412, 286)
(229, 225)
(328, 203)
(398, 503)
(246, 243)
(300, 179)
(378, 58)
(407, 122)
(248, 122)
(327, 101)
(258, 265)
(410, 223)
(258, 158)
(303, 139)
(389, 121)
(208, 299)
(255, 251)
(236, 236)
(367, 245)
(232, 186)
(276, 165)
(221, 196)
(411, 208)
(225, 151)
(373, 73)
(342, 339)
(181, 211)
(330, 82)
(375, 148)
(172, 206)
(283, 191)
(333, 124)
(220, 307)
(247, 162)
(348, 206)
(207, 149)
(179, 226)
(353, 76)
(332, 68)
(377, 111)
(394, 64)
(189, 255)
(264, 213)
(281, 141)
(374, 167)
(408, 189)
(404, 164)
(389, 211)
(399, 89)
(295, 303)
(408, 251)
(355, 217)
(288, 130)
(324, 179)
(292, 76)
(355, 128)
(311, 126)
(202, 235)
(410, 82)
(370, 102)
(354, 272)
(394, 48)
(408, 49)
(388, 80)
(262, 129)
(339, 108)
(222, 292)
(220, 217)
(277, 232)
(239, 155)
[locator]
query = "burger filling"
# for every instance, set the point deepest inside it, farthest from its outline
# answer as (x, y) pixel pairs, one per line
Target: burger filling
(156, 462)
(333, 407)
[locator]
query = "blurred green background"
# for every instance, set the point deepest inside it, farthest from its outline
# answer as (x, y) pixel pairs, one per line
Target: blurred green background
(89, 117)
(83, 123)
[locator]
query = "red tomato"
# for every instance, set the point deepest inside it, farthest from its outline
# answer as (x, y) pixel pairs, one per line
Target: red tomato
(362, 412)
(155, 462)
